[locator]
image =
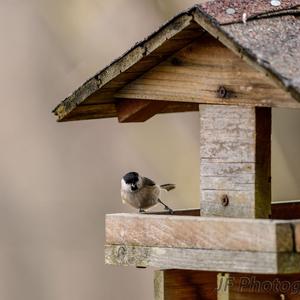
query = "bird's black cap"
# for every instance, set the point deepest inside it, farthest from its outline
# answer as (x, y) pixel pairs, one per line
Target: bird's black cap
(131, 177)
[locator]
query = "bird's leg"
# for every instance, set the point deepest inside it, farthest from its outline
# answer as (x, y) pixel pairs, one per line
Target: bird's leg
(166, 207)
(141, 211)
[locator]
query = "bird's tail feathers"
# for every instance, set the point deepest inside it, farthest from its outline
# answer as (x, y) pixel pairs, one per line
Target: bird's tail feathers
(168, 186)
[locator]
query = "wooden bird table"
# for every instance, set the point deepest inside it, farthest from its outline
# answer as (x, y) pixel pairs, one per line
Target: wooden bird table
(238, 244)
(232, 61)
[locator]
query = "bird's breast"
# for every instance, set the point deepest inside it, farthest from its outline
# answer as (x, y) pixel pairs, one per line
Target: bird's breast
(143, 198)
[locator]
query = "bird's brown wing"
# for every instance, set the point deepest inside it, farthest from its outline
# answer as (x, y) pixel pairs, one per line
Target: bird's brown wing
(148, 182)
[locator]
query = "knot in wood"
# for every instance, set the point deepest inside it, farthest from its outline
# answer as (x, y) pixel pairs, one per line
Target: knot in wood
(224, 200)
(121, 252)
(175, 61)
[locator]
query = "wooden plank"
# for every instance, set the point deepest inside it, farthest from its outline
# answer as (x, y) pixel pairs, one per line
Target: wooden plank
(203, 233)
(138, 110)
(142, 110)
(177, 212)
(281, 210)
(95, 111)
(286, 210)
(236, 286)
(205, 260)
(185, 285)
(109, 110)
(235, 150)
(189, 285)
(159, 45)
(197, 72)
(297, 235)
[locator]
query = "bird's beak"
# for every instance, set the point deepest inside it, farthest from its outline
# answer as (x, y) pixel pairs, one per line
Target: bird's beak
(133, 187)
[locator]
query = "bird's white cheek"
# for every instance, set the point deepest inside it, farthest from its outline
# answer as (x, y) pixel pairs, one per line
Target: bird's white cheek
(125, 187)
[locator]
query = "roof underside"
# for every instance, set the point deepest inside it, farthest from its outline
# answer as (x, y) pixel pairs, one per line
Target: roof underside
(269, 41)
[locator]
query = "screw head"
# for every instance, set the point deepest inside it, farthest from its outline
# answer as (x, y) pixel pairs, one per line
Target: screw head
(224, 200)
(230, 11)
(222, 92)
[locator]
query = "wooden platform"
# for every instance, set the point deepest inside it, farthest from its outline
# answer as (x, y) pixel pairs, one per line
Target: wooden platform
(205, 243)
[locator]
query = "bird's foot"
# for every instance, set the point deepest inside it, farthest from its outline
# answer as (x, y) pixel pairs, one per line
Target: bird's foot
(141, 211)
(166, 207)
(171, 211)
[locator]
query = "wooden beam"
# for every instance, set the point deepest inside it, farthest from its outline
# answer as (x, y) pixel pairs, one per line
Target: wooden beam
(207, 72)
(297, 234)
(177, 212)
(142, 110)
(281, 210)
(138, 110)
(205, 260)
(185, 284)
(286, 210)
(235, 169)
(194, 285)
(201, 233)
(236, 286)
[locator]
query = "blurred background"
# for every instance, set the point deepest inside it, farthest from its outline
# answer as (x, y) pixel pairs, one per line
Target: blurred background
(57, 181)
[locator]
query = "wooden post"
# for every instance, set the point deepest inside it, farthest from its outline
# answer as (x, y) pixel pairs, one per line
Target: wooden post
(235, 171)
(258, 286)
(185, 284)
(235, 166)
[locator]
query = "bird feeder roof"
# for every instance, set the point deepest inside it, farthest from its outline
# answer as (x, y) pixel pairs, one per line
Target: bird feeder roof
(263, 33)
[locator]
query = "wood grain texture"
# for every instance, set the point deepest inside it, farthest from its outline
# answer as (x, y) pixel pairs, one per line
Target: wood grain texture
(297, 235)
(205, 260)
(109, 110)
(143, 56)
(177, 212)
(202, 233)
(281, 210)
(235, 152)
(195, 74)
(138, 110)
(181, 31)
(185, 285)
(129, 110)
(236, 286)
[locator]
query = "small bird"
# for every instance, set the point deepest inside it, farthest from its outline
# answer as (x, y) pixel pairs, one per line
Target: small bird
(142, 192)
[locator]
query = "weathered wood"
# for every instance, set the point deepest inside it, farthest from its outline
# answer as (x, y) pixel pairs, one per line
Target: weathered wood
(235, 152)
(196, 74)
(205, 260)
(203, 233)
(257, 286)
(297, 235)
(222, 286)
(179, 32)
(142, 57)
(109, 110)
(185, 285)
(281, 210)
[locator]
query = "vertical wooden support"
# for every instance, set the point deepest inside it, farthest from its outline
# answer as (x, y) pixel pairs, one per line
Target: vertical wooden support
(235, 169)
(185, 284)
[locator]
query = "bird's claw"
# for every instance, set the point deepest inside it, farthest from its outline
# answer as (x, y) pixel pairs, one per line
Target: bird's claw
(171, 212)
